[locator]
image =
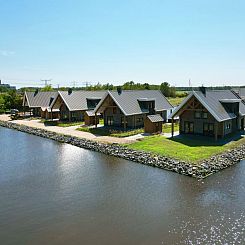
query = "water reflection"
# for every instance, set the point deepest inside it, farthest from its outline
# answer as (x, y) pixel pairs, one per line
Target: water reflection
(224, 229)
(54, 193)
(69, 158)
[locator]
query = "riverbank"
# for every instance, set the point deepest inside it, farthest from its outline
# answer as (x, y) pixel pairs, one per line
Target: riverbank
(201, 170)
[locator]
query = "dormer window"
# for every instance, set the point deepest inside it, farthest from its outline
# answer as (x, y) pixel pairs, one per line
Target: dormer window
(147, 104)
(92, 102)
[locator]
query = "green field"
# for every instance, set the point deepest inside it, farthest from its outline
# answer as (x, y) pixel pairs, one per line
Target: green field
(175, 101)
(191, 149)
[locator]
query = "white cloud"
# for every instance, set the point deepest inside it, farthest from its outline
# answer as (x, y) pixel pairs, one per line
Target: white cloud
(6, 53)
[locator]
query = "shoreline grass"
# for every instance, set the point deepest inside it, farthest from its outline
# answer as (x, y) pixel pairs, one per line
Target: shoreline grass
(103, 131)
(191, 149)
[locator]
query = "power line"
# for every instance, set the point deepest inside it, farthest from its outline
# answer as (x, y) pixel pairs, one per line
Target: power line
(46, 81)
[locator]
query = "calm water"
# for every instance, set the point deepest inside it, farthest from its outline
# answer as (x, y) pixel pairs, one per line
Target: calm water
(52, 193)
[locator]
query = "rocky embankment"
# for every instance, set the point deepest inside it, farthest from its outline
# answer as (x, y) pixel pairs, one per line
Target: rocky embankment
(202, 170)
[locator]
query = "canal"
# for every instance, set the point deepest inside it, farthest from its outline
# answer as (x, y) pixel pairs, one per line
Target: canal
(53, 193)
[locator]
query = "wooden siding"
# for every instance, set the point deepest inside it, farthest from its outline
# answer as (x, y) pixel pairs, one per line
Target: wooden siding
(152, 127)
(90, 120)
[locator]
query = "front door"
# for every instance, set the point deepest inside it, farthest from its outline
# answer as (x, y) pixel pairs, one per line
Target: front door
(189, 128)
(208, 129)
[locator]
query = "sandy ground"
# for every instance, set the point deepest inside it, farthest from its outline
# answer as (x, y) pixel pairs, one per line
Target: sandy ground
(72, 131)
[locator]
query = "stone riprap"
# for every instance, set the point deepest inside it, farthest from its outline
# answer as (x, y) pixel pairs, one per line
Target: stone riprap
(200, 170)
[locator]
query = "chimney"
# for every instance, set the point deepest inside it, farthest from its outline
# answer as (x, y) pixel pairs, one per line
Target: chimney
(203, 90)
(69, 91)
(36, 92)
(119, 90)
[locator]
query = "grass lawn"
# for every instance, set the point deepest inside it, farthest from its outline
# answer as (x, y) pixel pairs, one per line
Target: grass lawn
(175, 101)
(61, 124)
(104, 131)
(68, 124)
(191, 149)
(167, 128)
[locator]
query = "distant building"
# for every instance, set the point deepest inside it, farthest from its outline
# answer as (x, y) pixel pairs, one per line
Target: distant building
(5, 85)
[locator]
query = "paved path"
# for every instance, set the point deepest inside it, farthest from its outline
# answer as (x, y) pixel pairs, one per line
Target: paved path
(70, 131)
(85, 135)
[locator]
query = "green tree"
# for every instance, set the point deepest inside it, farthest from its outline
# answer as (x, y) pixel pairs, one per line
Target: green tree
(47, 88)
(2, 108)
(12, 100)
(146, 86)
(165, 89)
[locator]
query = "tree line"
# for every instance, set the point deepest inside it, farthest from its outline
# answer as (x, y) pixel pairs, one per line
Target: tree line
(165, 88)
(12, 99)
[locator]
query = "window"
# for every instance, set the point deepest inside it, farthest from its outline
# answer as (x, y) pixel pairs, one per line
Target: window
(151, 105)
(92, 103)
(208, 129)
(109, 121)
(205, 115)
(139, 119)
(197, 114)
(205, 126)
(114, 110)
(211, 127)
(228, 126)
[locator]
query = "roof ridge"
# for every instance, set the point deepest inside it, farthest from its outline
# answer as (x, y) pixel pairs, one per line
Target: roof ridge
(134, 90)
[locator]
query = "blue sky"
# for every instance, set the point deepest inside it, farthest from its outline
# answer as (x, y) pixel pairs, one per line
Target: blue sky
(118, 41)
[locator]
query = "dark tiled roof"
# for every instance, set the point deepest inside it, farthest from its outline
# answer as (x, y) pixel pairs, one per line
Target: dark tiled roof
(128, 100)
(155, 118)
(213, 101)
(78, 100)
(40, 99)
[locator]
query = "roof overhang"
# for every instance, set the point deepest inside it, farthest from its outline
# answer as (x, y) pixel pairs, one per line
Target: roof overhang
(63, 100)
(155, 118)
(146, 99)
(26, 97)
(229, 101)
(98, 107)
